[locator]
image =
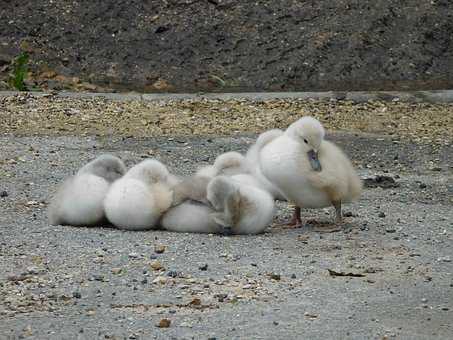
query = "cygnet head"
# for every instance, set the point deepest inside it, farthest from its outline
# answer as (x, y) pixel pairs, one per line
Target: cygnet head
(150, 171)
(106, 166)
(309, 133)
(219, 189)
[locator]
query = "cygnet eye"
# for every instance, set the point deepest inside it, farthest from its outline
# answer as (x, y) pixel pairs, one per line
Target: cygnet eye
(305, 141)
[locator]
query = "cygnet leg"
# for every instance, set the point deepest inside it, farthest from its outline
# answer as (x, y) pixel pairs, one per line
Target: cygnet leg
(338, 216)
(296, 220)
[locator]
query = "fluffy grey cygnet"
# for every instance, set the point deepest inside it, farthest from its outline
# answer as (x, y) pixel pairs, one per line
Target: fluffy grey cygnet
(191, 217)
(228, 164)
(245, 209)
(190, 188)
(138, 200)
(79, 200)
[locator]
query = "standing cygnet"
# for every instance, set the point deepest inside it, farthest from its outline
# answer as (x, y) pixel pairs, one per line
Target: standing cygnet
(191, 217)
(79, 200)
(245, 209)
(253, 158)
(137, 201)
(228, 164)
(310, 171)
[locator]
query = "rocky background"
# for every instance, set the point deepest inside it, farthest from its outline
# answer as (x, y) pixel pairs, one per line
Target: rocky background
(229, 45)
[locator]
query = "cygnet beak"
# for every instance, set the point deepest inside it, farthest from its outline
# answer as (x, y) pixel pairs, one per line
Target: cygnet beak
(314, 161)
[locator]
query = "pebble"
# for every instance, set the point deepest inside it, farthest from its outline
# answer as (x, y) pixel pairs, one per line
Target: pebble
(274, 276)
(381, 214)
(159, 249)
(444, 259)
(156, 265)
(164, 323)
(390, 230)
(133, 255)
(185, 324)
(172, 273)
(203, 267)
(160, 280)
(116, 270)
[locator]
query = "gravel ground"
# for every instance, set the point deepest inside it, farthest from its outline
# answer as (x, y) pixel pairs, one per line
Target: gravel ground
(85, 283)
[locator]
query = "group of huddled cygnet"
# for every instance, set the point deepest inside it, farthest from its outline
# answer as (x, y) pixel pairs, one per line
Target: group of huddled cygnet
(235, 195)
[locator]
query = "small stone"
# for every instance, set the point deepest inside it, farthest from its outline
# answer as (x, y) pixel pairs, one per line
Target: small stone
(4, 193)
(203, 267)
(28, 331)
(160, 280)
(381, 214)
(444, 259)
(159, 249)
(390, 230)
(274, 276)
(172, 273)
(91, 312)
(116, 270)
(77, 295)
(195, 302)
(221, 297)
(133, 255)
(164, 323)
(185, 324)
(310, 315)
(156, 265)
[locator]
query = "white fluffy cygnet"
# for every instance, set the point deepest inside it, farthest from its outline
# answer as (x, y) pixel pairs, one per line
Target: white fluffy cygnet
(253, 159)
(79, 200)
(191, 217)
(138, 200)
(228, 164)
(243, 208)
(308, 170)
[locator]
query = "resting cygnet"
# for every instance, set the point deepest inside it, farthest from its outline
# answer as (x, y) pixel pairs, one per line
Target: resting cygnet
(253, 159)
(191, 217)
(79, 200)
(308, 170)
(137, 201)
(190, 188)
(244, 208)
(228, 164)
